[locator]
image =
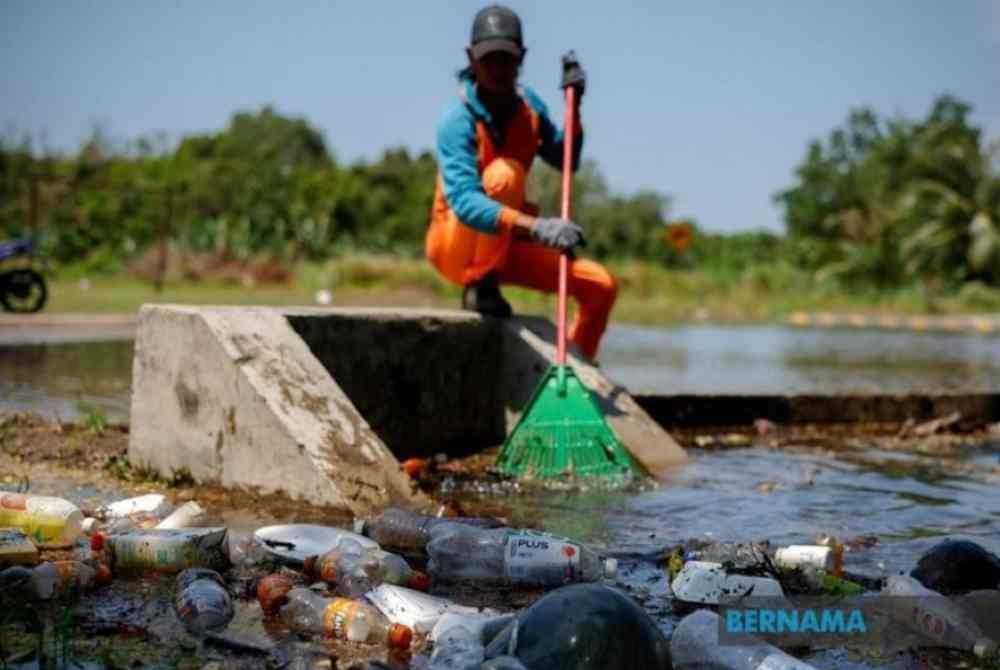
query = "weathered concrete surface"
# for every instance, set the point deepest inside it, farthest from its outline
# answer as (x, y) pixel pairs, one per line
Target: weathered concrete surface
(523, 367)
(235, 396)
(321, 402)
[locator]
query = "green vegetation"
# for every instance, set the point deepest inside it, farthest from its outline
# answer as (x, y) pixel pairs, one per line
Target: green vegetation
(897, 214)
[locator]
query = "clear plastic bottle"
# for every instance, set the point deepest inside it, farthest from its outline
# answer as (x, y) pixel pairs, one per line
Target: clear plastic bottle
(201, 600)
(695, 644)
(356, 570)
(406, 530)
(936, 617)
(342, 618)
(457, 647)
(460, 553)
(49, 522)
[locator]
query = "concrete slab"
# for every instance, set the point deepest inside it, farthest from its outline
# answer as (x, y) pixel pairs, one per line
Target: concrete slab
(321, 402)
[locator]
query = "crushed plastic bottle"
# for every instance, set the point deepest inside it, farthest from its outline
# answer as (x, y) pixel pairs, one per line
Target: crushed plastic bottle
(153, 503)
(165, 550)
(201, 601)
(709, 583)
(52, 579)
(936, 617)
(356, 570)
(460, 553)
(695, 645)
(47, 521)
(409, 531)
(342, 618)
(416, 609)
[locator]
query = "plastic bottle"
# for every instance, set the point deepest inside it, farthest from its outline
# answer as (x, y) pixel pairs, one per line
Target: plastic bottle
(57, 578)
(187, 515)
(936, 617)
(457, 644)
(153, 503)
(162, 550)
(342, 618)
(460, 553)
(49, 522)
(201, 601)
(415, 609)
(695, 644)
(805, 556)
(356, 570)
(709, 583)
(402, 529)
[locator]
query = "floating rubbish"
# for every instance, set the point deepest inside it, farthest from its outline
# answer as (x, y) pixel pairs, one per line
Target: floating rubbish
(583, 627)
(695, 645)
(272, 592)
(201, 601)
(16, 548)
(957, 566)
(708, 583)
(153, 503)
(356, 570)
(187, 515)
(401, 529)
(343, 619)
(417, 610)
(799, 556)
(935, 617)
(458, 643)
(460, 553)
(47, 521)
(294, 543)
(55, 578)
(167, 550)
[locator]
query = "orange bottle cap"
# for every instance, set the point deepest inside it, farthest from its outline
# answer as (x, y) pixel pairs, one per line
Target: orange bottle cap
(400, 636)
(272, 592)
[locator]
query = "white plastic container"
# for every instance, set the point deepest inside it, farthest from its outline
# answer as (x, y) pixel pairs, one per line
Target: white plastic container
(165, 550)
(294, 543)
(187, 515)
(416, 609)
(47, 521)
(695, 645)
(153, 503)
(709, 584)
(804, 556)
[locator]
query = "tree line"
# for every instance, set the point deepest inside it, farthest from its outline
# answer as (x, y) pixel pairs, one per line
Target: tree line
(883, 202)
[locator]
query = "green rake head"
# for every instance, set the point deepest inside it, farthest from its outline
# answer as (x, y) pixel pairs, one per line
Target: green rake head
(563, 434)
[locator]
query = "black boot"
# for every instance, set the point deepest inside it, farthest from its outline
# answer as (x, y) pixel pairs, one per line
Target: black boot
(484, 297)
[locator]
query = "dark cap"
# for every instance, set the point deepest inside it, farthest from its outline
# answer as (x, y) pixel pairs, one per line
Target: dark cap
(496, 28)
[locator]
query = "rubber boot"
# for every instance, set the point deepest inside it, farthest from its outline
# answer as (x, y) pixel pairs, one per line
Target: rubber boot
(484, 297)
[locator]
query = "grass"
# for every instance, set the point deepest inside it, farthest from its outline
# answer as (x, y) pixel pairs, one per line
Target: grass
(648, 293)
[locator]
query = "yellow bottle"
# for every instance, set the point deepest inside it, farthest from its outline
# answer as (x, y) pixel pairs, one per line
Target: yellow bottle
(48, 522)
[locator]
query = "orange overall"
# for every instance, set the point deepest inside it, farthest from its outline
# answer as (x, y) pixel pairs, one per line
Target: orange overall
(480, 189)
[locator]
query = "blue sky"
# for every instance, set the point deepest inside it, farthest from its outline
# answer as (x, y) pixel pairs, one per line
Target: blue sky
(710, 102)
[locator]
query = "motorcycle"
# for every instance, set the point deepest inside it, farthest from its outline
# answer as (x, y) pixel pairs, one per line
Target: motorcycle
(22, 289)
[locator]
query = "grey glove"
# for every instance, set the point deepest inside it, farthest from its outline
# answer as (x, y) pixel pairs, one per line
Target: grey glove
(559, 234)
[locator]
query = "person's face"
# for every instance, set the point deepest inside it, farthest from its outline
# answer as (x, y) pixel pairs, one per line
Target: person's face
(496, 72)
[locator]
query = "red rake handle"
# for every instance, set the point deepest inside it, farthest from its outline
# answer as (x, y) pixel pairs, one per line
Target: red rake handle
(569, 131)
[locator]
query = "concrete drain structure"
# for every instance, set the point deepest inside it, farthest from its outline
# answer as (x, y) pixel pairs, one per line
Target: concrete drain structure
(320, 403)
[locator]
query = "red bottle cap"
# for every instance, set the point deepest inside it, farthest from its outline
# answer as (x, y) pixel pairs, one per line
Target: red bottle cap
(400, 636)
(272, 592)
(97, 542)
(419, 581)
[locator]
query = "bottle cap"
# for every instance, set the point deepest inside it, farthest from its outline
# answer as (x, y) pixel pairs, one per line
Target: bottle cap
(97, 542)
(610, 568)
(400, 636)
(419, 581)
(272, 592)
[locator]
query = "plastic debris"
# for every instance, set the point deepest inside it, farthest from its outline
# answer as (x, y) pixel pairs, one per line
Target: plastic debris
(342, 618)
(16, 548)
(695, 645)
(55, 578)
(355, 570)
(709, 583)
(187, 515)
(201, 601)
(583, 627)
(401, 529)
(294, 543)
(272, 592)
(958, 566)
(460, 553)
(804, 556)
(47, 521)
(166, 550)
(153, 503)
(417, 610)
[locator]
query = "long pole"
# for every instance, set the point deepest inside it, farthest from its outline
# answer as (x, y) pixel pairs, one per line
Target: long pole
(569, 132)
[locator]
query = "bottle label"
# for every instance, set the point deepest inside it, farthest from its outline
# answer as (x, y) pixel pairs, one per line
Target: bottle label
(338, 616)
(541, 559)
(14, 501)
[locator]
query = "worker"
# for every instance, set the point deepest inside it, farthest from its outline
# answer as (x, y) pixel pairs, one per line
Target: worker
(483, 233)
